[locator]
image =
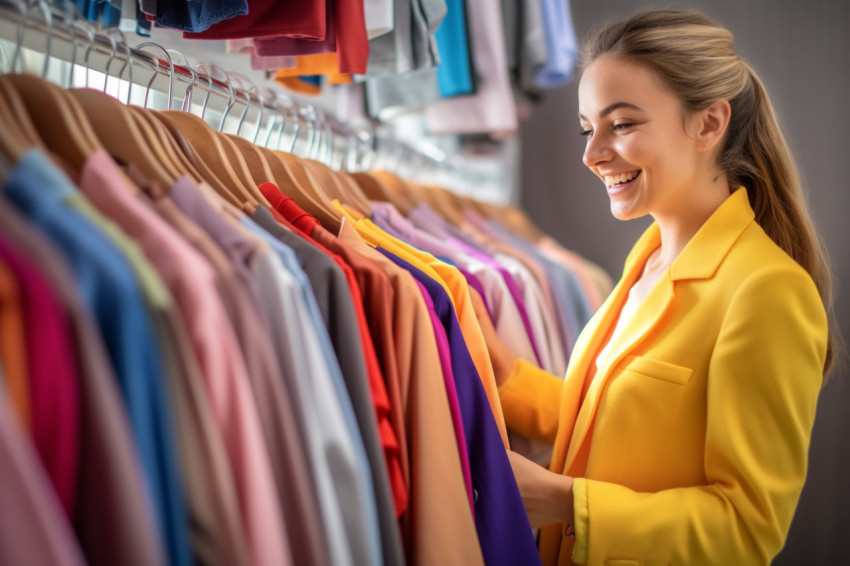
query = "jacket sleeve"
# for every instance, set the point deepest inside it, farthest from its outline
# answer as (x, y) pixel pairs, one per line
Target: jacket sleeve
(531, 399)
(763, 382)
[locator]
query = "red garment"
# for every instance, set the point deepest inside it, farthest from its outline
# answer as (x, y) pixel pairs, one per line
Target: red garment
(307, 226)
(270, 18)
(348, 23)
(53, 379)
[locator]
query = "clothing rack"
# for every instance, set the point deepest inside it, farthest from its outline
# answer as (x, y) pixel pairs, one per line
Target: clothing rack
(61, 36)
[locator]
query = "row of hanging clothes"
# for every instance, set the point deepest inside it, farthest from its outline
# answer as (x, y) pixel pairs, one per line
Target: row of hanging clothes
(217, 352)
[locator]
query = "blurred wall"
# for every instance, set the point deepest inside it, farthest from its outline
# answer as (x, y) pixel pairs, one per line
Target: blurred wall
(801, 50)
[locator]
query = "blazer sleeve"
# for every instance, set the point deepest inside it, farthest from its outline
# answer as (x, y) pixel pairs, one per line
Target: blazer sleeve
(531, 399)
(763, 382)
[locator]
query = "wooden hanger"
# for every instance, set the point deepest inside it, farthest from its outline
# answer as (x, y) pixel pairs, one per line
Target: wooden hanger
(178, 162)
(13, 143)
(332, 183)
(354, 194)
(121, 134)
(17, 117)
(57, 122)
(400, 194)
(440, 201)
(187, 150)
(208, 149)
(370, 187)
(299, 184)
(239, 165)
(257, 164)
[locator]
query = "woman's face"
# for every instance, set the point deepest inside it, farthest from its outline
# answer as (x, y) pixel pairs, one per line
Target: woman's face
(637, 142)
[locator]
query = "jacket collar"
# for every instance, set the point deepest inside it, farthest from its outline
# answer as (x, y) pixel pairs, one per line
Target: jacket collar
(705, 251)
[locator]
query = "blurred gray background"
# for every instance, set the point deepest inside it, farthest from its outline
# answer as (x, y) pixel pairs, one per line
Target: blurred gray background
(801, 51)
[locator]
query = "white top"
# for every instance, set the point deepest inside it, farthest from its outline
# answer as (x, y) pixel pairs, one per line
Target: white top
(626, 314)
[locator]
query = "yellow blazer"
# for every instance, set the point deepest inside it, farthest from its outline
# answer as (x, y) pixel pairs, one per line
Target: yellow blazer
(691, 444)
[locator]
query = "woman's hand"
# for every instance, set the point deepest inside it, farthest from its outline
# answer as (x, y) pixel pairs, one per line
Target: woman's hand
(547, 496)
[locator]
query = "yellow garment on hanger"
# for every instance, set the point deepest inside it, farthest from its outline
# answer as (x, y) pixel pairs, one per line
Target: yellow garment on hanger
(456, 288)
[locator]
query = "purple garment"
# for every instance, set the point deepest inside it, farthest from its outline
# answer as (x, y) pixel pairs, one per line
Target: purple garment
(500, 519)
(386, 216)
(451, 391)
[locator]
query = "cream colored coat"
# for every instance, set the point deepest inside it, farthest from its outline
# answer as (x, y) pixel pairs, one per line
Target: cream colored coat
(691, 444)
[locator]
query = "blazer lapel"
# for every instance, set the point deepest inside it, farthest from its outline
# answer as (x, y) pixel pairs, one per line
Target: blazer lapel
(589, 343)
(647, 316)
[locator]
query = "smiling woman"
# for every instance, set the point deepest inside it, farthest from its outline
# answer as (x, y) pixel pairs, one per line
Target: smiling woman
(681, 430)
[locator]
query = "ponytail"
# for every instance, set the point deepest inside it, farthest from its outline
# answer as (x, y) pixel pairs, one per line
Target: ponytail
(756, 155)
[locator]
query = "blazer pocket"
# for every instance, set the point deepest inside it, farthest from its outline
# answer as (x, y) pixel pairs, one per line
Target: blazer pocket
(657, 369)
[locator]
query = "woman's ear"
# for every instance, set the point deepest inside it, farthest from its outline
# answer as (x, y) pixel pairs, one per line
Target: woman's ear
(710, 124)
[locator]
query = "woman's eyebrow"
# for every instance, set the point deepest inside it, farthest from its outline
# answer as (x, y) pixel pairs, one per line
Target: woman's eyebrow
(611, 107)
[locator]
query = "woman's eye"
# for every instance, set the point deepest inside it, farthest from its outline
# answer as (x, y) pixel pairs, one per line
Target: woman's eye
(585, 133)
(623, 126)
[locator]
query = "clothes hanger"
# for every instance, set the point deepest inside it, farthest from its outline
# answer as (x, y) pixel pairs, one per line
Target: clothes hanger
(20, 128)
(398, 191)
(13, 144)
(127, 139)
(200, 140)
(438, 199)
(16, 118)
(58, 126)
(354, 195)
(166, 150)
(293, 180)
(257, 164)
(258, 167)
(300, 184)
(187, 151)
(208, 148)
(371, 188)
(334, 183)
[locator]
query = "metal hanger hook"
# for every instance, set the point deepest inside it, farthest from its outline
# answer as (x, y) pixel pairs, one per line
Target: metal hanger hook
(231, 100)
(112, 54)
(207, 96)
(24, 10)
(253, 92)
(165, 52)
(48, 20)
(127, 61)
(71, 12)
(187, 98)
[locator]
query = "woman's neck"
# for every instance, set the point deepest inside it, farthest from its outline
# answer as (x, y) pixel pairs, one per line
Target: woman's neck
(679, 227)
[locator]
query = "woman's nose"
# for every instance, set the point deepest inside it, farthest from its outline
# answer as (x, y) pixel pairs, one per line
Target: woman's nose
(597, 151)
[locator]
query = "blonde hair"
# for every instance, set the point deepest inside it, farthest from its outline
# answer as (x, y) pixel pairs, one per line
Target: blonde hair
(696, 59)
